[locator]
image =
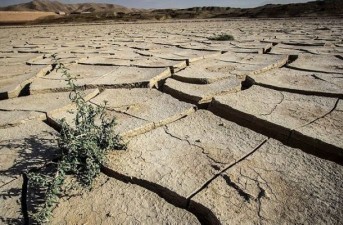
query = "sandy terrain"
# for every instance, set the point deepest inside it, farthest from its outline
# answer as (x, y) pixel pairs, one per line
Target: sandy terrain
(247, 131)
(22, 16)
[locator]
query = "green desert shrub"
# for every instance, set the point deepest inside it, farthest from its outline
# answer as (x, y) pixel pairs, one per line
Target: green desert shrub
(222, 37)
(82, 150)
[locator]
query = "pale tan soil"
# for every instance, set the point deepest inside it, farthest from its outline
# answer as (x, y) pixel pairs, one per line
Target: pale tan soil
(238, 132)
(22, 16)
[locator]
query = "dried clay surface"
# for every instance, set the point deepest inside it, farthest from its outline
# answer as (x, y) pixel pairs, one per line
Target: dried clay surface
(246, 131)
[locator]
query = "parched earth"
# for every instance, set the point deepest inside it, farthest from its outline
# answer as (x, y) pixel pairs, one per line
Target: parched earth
(242, 132)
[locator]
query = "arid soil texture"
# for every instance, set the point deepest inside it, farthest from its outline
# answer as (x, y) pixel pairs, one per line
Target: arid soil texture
(17, 17)
(248, 131)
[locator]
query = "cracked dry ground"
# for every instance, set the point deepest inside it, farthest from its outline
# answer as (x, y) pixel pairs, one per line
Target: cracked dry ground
(242, 132)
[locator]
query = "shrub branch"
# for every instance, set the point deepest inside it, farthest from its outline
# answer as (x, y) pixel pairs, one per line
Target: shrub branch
(82, 149)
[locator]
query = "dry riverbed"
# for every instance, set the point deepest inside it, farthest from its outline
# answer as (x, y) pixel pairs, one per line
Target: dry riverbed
(247, 131)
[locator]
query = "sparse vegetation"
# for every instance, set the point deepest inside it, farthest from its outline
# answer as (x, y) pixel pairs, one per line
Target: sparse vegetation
(323, 28)
(83, 149)
(222, 37)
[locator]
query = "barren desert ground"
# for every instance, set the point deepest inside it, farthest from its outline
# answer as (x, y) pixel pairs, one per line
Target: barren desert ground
(248, 131)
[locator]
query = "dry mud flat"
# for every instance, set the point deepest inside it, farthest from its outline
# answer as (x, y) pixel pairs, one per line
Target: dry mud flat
(242, 132)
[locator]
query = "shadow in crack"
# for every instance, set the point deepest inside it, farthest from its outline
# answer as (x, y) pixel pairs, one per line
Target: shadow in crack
(20, 156)
(25, 91)
(203, 214)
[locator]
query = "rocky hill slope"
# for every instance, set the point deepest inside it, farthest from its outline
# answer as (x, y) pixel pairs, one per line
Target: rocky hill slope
(314, 8)
(111, 12)
(55, 6)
